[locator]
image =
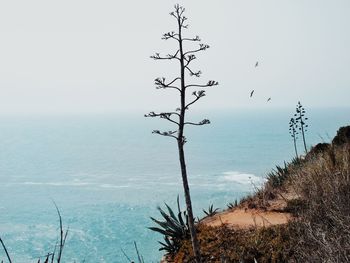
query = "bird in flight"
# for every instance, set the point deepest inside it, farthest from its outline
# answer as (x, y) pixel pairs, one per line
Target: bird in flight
(268, 99)
(257, 63)
(251, 93)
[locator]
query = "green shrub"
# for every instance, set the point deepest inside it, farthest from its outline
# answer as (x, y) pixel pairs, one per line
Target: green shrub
(174, 228)
(211, 211)
(278, 175)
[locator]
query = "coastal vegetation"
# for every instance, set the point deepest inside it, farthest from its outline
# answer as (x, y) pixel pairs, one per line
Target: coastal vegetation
(293, 130)
(211, 211)
(312, 192)
(298, 125)
(300, 122)
(174, 228)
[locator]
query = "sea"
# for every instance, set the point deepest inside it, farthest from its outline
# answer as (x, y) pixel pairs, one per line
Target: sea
(107, 174)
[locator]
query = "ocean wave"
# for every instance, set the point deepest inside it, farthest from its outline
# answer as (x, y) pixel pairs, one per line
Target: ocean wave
(74, 183)
(113, 186)
(242, 178)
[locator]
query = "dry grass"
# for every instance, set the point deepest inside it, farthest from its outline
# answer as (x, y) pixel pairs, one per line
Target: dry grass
(316, 191)
(224, 244)
(323, 227)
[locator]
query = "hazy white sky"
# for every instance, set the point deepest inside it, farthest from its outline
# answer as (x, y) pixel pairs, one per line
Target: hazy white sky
(93, 56)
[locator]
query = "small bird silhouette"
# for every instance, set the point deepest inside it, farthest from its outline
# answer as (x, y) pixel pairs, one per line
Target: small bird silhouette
(257, 63)
(268, 99)
(251, 93)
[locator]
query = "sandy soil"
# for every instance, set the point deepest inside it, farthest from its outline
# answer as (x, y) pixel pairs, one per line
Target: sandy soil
(246, 218)
(243, 217)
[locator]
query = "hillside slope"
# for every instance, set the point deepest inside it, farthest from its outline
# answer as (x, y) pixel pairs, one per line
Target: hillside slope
(302, 214)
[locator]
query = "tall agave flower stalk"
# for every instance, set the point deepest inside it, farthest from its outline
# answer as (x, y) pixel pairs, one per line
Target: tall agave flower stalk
(300, 119)
(293, 130)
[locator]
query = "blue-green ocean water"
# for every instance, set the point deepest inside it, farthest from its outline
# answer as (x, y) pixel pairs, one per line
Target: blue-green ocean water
(108, 173)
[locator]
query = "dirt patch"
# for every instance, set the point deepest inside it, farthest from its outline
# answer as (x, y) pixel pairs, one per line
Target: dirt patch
(249, 214)
(247, 218)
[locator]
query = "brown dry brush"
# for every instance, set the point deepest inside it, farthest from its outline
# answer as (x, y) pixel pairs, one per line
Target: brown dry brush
(323, 228)
(320, 231)
(224, 244)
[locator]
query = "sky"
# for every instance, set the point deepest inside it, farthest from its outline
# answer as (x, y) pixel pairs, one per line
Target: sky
(93, 56)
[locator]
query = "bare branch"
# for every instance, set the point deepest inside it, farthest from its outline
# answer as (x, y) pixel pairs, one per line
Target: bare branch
(157, 56)
(188, 59)
(166, 133)
(172, 35)
(209, 84)
(193, 73)
(198, 94)
(173, 14)
(177, 52)
(178, 78)
(196, 38)
(179, 10)
(202, 47)
(153, 114)
(178, 14)
(164, 115)
(182, 21)
(160, 84)
(202, 122)
(167, 116)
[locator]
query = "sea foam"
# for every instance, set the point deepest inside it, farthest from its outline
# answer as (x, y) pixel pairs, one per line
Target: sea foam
(242, 178)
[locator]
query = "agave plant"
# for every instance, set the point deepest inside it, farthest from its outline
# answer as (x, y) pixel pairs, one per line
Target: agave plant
(175, 229)
(232, 204)
(278, 175)
(211, 211)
